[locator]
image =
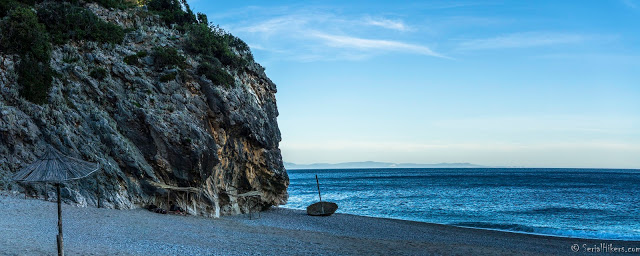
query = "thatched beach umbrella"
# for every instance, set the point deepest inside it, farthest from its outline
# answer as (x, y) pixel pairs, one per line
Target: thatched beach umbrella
(55, 167)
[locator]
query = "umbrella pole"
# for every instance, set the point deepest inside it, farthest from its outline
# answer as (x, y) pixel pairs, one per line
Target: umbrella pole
(59, 240)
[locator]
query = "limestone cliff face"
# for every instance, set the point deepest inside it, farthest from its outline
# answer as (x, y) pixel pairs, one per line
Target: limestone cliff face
(149, 136)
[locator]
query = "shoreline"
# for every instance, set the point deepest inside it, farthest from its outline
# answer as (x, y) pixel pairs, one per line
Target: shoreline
(488, 229)
(28, 227)
(541, 235)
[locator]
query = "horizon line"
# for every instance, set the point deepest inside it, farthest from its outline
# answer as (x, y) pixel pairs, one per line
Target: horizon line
(435, 165)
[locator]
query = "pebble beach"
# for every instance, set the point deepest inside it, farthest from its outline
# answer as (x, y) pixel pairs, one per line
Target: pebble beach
(28, 227)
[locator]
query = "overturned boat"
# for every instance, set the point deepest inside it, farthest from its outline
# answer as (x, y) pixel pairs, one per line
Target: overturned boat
(321, 208)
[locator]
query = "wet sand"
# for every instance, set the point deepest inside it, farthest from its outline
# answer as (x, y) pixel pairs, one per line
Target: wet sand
(28, 227)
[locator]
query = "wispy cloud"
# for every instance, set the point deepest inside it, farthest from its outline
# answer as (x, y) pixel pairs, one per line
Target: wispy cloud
(386, 23)
(316, 35)
(276, 25)
(373, 44)
(523, 40)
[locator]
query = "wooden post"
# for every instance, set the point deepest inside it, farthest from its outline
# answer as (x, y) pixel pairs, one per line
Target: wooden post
(199, 199)
(59, 237)
(98, 191)
(184, 202)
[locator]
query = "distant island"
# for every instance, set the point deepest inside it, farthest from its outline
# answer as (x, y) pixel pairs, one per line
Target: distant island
(372, 164)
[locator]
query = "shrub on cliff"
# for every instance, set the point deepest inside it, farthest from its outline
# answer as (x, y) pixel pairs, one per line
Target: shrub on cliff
(117, 4)
(131, 60)
(22, 34)
(35, 78)
(6, 6)
(135, 58)
(167, 57)
(213, 42)
(202, 18)
(216, 74)
(98, 73)
(202, 39)
(171, 11)
(66, 21)
(168, 77)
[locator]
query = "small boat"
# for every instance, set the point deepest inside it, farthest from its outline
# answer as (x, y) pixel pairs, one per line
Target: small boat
(321, 208)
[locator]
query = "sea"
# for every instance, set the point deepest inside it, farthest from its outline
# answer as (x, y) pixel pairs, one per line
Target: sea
(584, 203)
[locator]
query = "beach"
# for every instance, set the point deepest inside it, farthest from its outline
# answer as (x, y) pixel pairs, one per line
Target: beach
(28, 227)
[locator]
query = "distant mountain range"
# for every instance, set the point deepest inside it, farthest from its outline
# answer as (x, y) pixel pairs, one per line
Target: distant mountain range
(371, 164)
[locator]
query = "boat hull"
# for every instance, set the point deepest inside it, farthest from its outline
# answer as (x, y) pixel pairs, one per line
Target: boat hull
(322, 209)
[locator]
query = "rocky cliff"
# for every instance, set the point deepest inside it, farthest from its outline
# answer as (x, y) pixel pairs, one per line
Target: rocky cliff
(158, 131)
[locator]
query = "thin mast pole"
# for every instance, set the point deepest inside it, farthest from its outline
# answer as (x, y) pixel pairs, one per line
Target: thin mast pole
(318, 183)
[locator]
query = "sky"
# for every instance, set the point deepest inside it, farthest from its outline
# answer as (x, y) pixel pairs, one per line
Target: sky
(497, 83)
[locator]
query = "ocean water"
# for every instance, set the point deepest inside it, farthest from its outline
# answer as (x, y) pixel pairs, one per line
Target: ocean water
(586, 203)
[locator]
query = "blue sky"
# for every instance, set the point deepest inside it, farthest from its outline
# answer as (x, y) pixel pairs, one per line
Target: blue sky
(503, 83)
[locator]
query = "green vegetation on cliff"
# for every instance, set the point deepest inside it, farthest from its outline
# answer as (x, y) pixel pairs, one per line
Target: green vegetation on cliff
(171, 11)
(22, 34)
(119, 4)
(167, 57)
(215, 73)
(30, 36)
(65, 21)
(35, 77)
(31, 28)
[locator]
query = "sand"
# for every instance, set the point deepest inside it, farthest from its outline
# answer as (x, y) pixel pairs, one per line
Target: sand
(28, 227)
